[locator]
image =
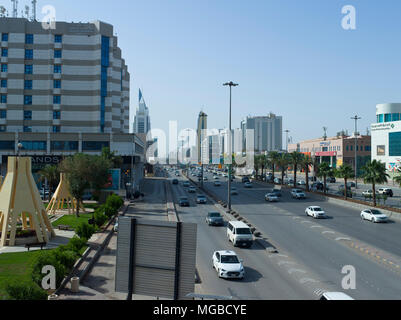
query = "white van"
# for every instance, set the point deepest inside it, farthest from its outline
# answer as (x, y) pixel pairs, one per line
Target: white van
(239, 234)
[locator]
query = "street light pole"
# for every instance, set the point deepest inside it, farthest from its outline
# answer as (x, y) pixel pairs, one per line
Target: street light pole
(356, 118)
(230, 84)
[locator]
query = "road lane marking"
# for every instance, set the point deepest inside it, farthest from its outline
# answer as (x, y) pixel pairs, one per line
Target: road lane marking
(316, 226)
(290, 271)
(304, 280)
(285, 262)
(305, 221)
(323, 232)
(342, 238)
(281, 255)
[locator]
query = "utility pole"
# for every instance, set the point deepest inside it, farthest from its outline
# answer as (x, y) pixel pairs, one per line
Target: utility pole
(356, 118)
(230, 84)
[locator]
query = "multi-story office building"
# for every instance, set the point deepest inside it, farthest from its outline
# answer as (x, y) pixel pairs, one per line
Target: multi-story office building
(62, 91)
(202, 142)
(142, 119)
(386, 136)
(268, 132)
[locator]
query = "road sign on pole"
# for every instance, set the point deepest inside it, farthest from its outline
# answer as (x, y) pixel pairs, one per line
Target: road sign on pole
(155, 258)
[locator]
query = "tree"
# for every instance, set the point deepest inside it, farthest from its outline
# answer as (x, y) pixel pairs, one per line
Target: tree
(346, 172)
(324, 170)
(295, 158)
(273, 157)
(397, 178)
(374, 172)
(50, 173)
(116, 161)
(305, 164)
(99, 171)
(78, 174)
(283, 162)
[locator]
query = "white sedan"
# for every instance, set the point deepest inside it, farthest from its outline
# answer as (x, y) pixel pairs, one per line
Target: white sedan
(373, 215)
(315, 212)
(228, 265)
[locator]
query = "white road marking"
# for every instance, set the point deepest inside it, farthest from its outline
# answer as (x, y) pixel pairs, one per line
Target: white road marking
(341, 238)
(281, 255)
(305, 221)
(328, 232)
(304, 280)
(316, 226)
(296, 270)
(285, 262)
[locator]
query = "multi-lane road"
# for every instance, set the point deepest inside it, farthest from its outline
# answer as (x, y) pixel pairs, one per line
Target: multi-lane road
(311, 254)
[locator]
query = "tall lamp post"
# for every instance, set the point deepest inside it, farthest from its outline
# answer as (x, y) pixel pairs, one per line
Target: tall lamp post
(230, 84)
(356, 118)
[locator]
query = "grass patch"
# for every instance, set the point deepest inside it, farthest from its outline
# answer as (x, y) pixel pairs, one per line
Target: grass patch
(15, 266)
(72, 220)
(86, 205)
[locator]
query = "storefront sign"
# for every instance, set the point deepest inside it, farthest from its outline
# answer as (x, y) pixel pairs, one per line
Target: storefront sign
(382, 126)
(326, 154)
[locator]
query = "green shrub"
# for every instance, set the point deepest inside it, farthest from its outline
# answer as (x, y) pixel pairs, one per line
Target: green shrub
(48, 258)
(100, 218)
(114, 201)
(85, 230)
(26, 290)
(66, 257)
(109, 211)
(75, 244)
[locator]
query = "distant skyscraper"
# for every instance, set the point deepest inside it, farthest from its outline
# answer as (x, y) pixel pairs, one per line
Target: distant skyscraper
(202, 124)
(142, 119)
(268, 132)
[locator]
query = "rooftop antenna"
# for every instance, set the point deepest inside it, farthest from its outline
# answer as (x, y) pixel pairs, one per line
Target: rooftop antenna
(27, 12)
(34, 10)
(325, 133)
(15, 8)
(2, 12)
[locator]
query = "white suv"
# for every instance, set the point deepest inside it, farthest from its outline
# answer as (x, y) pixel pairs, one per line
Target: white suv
(239, 234)
(228, 265)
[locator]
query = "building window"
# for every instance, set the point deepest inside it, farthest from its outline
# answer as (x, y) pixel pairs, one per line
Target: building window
(3, 128)
(4, 67)
(7, 145)
(94, 145)
(56, 99)
(4, 83)
(395, 117)
(4, 37)
(64, 145)
(57, 84)
(4, 52)
(57, 54)
(28, 84)
(28, 115)
(34, 145)
(380, 118)
(58, 38)
(27, 129)
(56, 129)
(394, 144)
(56, 115)
(28, 54)
(28, 69)
(57, 68)
(3, 98)
(381, 150)
(3, 114)
(27, 100)
(29, 38)
(387, 117)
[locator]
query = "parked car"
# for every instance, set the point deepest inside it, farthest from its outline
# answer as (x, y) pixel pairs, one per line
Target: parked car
(201, 199)
(87, 195)
(214, 219)
(228, 265)
(217, 183)
(315, 212)
(183, 202)
(204, 178)
(369, 192)
(277, 180)
(248, 185)
(186, 184)
(373, 215)
(386, 191)
(271, 197)
(191, 189)
(297, 194)
(351, 184)
(175, 181)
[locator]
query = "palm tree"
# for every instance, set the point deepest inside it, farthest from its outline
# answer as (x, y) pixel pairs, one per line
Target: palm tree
(324, 170)
(374, 172)
(346, 172)
(296, 159)
(305, 164)
(283, 162)
(256, 164)
(397, 178)
(273, 157)
(263, 164)
(52, 175)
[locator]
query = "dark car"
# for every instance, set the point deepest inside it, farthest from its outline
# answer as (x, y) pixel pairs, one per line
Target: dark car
(201, 199)
(214, 219)
(183, 202)
(245, 179)
(319, 186)
(186, 184)
(331, 179)
(175, 181)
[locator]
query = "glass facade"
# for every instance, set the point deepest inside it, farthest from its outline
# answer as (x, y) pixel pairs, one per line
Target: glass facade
(4, 52)
(56, 115)
(388, 117)
(57, 84)
(64, 146)
(7, 145)
(27, 100)
(34, 145)
(394, 144)
(28, 84)
(58, 38)
(3, 83)
(3, 114)
(28, 54)
(57, 68)
(29, 38)
(4, 67)
(94, 145)
(3, 98)
(57, 53)
(27, 115)
(4, 37)
(103, 81)
(28, 69)
(56, 99)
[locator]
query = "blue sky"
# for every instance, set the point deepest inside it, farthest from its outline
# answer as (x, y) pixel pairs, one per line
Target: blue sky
(291, 57)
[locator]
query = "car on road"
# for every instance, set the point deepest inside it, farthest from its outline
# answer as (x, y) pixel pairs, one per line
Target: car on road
(297, 194)
(183, 202)
(301, 183)
(214, 219)
(290, 182)
(315, 212)
(234, 191)
(201, 199)
(217, 183)
(248, 185)
(271, 197)
(175, 181)
(319, 186)
(204, 178)
(351, 184)
(215, 177)
(386, 191)
(277, 180)
(239, 234)
(186, 184)
(245, 179)
(191, 189)
(335, 296)
(368, 193)
(227, 265)
(373, 215)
